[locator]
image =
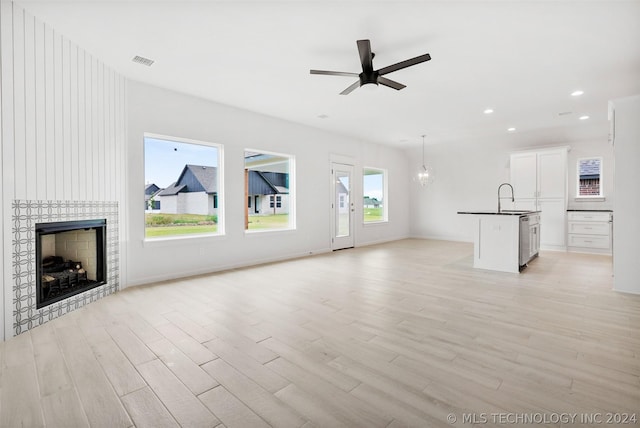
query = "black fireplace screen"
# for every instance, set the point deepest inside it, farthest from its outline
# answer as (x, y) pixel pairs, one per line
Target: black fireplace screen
(70, 259)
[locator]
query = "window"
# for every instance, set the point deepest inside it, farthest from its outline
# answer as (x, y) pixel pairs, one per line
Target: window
(183, 186)
(374, 189)
(269, 181)
(589, 177)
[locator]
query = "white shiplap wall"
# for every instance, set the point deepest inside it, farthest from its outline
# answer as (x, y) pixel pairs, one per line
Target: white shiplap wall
(63, 123)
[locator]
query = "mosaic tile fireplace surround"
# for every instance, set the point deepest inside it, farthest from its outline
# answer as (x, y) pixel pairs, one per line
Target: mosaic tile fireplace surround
(26, 214)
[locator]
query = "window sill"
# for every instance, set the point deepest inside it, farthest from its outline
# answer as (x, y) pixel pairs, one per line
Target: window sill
(171, 240)
(590, 199)
(375, 223)
(259, 232)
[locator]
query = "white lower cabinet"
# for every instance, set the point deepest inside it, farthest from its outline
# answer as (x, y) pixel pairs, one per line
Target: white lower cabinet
(589, 231)
(552, 224)
(552, 221)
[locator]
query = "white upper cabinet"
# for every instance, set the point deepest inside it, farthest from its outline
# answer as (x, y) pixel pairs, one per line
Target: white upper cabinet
(541, 174)
(552, 174)
(524, 175)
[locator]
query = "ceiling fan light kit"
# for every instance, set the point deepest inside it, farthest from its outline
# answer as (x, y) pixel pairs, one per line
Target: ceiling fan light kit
(369, 75)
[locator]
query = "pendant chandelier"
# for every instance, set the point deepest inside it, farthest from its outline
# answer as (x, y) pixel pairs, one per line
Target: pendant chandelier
(424, 175)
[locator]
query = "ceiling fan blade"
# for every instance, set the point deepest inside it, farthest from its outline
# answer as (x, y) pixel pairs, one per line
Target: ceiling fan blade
(404, 64)
(366, 58)
(390, 83)
(351, 88)
(334, 73)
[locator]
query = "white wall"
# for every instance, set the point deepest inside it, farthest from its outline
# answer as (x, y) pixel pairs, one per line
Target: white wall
(626, 226)
(63, 125)
(467, 177)
(172, 114)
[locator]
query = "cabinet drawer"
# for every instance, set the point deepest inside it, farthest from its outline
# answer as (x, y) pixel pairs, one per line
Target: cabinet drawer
(589, 216)
(587, 228)
(589, 241)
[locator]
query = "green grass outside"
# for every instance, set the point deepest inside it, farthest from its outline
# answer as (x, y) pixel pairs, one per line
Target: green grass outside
(162, 219)
(158, 225)
(273, 221)
(178, 224)
(373, 214)
(153, 232)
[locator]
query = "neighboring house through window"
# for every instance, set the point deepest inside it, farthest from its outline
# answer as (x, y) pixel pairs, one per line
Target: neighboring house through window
(589, 177)
(183, 195)
(269, 191)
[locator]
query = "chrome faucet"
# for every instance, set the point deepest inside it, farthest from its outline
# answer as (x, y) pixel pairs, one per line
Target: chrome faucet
(512, 198)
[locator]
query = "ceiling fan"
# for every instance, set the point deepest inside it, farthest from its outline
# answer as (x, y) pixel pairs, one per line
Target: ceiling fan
(371, 76)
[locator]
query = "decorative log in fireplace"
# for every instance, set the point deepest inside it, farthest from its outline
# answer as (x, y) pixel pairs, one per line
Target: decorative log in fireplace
(70, 259)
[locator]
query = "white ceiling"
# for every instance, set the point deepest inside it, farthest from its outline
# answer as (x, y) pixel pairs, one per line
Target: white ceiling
(521, 58)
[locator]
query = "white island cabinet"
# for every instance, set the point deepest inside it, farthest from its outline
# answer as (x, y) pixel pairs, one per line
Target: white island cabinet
(503, 241)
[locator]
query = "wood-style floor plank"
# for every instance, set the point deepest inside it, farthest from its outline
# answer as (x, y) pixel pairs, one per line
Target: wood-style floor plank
(63, 409)
(147, 411)
(99, 401)
(257, 372)
(393, 335)
(189, 373)
(181, 403)
(21, 404)
(119, 370)
(232, 412)
(195, 350)
(262, 402)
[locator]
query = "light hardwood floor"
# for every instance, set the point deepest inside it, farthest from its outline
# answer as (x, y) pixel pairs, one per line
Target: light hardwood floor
(399, 334)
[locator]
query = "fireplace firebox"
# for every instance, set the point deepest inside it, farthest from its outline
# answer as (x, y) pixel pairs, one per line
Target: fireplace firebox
(70, 259)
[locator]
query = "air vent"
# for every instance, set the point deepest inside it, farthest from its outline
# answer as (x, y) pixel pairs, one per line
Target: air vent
(142, 60)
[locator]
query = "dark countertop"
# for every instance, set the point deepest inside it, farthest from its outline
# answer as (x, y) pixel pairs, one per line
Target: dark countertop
(595, 211)
(505, 212)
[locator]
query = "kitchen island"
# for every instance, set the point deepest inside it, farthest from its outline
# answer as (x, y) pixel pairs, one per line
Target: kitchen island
(505, 240)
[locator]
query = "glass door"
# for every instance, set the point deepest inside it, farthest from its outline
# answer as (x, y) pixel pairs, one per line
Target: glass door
(342, 205)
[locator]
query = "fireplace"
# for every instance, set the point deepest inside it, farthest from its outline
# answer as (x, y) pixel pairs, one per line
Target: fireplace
(70, 259)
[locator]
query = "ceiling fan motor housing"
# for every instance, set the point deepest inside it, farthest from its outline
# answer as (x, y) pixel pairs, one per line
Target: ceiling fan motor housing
(371, 77)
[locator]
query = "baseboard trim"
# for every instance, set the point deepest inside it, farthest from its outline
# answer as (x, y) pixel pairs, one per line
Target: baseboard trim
(187, 274)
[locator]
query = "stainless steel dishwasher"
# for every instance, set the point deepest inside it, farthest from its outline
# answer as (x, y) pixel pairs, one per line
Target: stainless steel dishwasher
(525, 242)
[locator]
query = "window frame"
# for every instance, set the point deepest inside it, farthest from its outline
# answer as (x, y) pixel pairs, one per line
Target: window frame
(600, 195)
(292, 224)
(218, 198)
(385, 195)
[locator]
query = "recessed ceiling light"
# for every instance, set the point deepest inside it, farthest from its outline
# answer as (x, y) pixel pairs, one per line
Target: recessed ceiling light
(585, 117)
(565, 113)
(511, 129)
(577, 93)
(488, 111)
